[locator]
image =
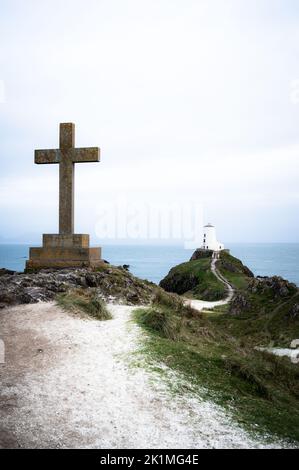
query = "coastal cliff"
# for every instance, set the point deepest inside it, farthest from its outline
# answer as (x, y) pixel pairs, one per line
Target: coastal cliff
(194, 278)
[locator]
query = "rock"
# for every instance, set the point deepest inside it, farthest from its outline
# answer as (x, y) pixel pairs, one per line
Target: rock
(200, 253)
(275, 287)
(239, 304)
(293, 313)
(91, 280)
(6, 272)
(178, 282)
(133, 298)
(8, 296)
(44, 285)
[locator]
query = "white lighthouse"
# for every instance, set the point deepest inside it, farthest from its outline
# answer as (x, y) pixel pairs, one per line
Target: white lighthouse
(210, 241)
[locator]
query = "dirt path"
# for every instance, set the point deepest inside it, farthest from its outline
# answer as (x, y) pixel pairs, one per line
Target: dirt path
(203, 304)
(67, 383)
(222, 279)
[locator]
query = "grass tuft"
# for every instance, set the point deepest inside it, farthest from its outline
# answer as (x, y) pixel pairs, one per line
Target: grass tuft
(175, 303)
(167, 315)
(162, 322)
(86, 301)
(172, 301)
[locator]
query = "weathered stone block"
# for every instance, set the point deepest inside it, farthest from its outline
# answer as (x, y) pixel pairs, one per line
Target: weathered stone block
(63, 257)
(62, 264)
(64, 253)
(66, 241)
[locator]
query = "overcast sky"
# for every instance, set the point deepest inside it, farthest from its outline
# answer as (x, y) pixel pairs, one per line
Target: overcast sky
(193, 103)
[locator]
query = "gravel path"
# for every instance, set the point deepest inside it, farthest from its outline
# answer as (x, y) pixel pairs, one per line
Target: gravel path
(204, 304)
(67, 383)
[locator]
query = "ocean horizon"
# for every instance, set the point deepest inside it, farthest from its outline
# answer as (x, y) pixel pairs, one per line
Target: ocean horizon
(153, 262)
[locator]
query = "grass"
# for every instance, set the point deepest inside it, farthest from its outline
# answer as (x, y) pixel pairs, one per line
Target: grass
(259, 390)
(86, 301)
(265, 324)
(196, 280)
(163, 322)
(237, 280)
(167, 315)
(215, 350)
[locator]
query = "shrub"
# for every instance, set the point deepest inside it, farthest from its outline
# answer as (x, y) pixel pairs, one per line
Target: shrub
(162, 321)
(174, 303)
(171, 301)
(84, 300)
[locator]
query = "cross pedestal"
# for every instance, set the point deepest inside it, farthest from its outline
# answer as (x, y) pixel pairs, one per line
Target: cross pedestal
(66, 249)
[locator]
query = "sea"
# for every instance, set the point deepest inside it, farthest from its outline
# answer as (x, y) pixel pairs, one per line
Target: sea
(154, 262)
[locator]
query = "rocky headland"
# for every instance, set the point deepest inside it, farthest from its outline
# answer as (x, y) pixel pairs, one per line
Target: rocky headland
(112, 284)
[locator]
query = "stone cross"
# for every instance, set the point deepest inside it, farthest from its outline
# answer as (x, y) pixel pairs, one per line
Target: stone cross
(67, 155)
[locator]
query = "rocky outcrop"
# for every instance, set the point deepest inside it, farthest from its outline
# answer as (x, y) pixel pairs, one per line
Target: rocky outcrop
(4, 272)
(293, 313)
(275, 290)
(240, 304)
(275, 287)
(179, 282)
(112, 283)
(195, 278)
(200, 253)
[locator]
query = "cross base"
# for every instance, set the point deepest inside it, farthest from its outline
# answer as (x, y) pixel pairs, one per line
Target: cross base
(64, 251)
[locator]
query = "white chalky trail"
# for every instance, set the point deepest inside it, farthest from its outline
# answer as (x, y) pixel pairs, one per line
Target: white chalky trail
(80, 391)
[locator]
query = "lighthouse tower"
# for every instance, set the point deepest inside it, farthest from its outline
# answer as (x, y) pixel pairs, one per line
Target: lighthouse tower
(209, 239)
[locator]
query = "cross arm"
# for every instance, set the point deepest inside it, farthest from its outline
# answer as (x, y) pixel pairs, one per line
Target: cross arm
(46, 156)
(91, 154)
